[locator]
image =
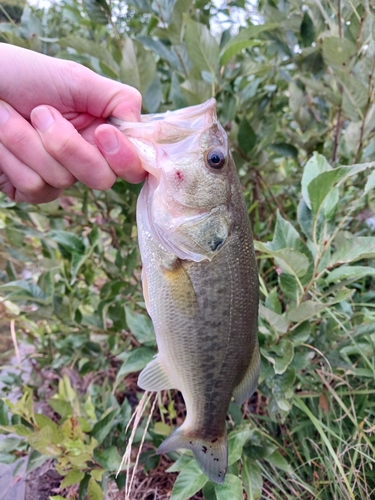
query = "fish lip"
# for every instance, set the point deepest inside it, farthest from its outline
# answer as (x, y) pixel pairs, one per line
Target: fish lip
(172, 127)
(169, 116)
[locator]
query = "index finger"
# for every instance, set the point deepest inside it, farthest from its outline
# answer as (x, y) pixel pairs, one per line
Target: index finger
(64, 143)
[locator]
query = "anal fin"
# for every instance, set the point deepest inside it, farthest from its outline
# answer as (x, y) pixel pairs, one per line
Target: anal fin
(154, 377)
(249, 383)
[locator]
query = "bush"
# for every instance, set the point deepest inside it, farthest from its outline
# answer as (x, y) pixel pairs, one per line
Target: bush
(295, 90)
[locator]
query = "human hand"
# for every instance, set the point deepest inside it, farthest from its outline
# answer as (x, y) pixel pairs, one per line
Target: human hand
(53, 127)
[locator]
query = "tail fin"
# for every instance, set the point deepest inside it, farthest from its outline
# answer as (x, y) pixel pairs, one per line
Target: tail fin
(211, 455)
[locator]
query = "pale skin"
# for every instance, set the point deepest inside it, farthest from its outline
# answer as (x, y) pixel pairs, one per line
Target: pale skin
(53, 128)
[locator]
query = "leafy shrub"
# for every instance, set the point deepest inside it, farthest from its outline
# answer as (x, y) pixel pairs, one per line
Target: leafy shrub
(295, 92)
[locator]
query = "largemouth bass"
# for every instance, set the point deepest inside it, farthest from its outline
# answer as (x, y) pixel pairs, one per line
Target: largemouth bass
(200, 279)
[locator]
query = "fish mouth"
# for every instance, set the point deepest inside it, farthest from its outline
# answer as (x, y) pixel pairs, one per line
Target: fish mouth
(184, 118)
(159, 134)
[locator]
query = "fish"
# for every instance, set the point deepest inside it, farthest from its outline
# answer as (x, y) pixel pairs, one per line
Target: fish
(199, 275)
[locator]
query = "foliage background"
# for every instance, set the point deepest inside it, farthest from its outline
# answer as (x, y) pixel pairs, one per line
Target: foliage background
(295, 90)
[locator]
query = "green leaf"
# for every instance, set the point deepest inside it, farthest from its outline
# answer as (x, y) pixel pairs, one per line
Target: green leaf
(175, 28)
(94, 491)
(190, 480)
(69, 241)
(201, 46)
(306, 310)
(338, 51)
(278, 322)
(231, 488)
(180, 463)
(73, 477)
(63, 408)
(243, 40)
(19, 429)
(285, 235)
(272, 301)
(42, 441)
(289, 260)
(162, 429)
(370, 184)
(252, 479)
(158, 47)
(234, 48)
(140, 326)
(89, 47)
(102, 428)
(279, 461)
(108, 458)
(98, 10)
(9, 444)
(315, 166)
(355, 95)
(280, 355)
(195, 91)
(66, 391)
(305, 219)
(307, 30)
(24, 290)
(43, 421)
(209, 491)
(153, 96)
(362, 247)
(137, 67)
(321, 186)
(4, 420)
(285, 149)
(236, 441)
(246, 136)
(134, 361)
(350, 272)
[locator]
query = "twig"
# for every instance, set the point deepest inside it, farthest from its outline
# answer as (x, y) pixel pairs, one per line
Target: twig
(370, 96)
(339, 17)
(7, 15)
(14, 340)
(181, 62)
(337, 133)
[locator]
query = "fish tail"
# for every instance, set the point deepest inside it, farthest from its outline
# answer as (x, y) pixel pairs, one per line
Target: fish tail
(211, 454)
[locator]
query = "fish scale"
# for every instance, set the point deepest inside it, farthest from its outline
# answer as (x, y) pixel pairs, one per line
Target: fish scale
(200, 278)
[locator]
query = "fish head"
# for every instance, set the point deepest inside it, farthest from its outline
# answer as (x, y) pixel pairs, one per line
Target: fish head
(187, 194)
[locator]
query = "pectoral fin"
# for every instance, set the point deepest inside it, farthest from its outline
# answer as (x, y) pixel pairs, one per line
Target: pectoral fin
(249, 383)
(154, 377)
(180, 287)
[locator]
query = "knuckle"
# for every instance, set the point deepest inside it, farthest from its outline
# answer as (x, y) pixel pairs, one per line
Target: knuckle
(64, 180)
(102, 184)
(60, 148)
(136, 97)
(18, 140)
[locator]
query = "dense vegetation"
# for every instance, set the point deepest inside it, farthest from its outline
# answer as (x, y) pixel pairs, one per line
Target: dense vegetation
(295, 87)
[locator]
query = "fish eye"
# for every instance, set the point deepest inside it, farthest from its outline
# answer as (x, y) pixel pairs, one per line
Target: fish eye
(216, 159)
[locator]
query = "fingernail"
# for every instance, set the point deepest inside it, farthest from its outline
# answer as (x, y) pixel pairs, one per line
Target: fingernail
(4, 113)
(42, 118)
(108, 141)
